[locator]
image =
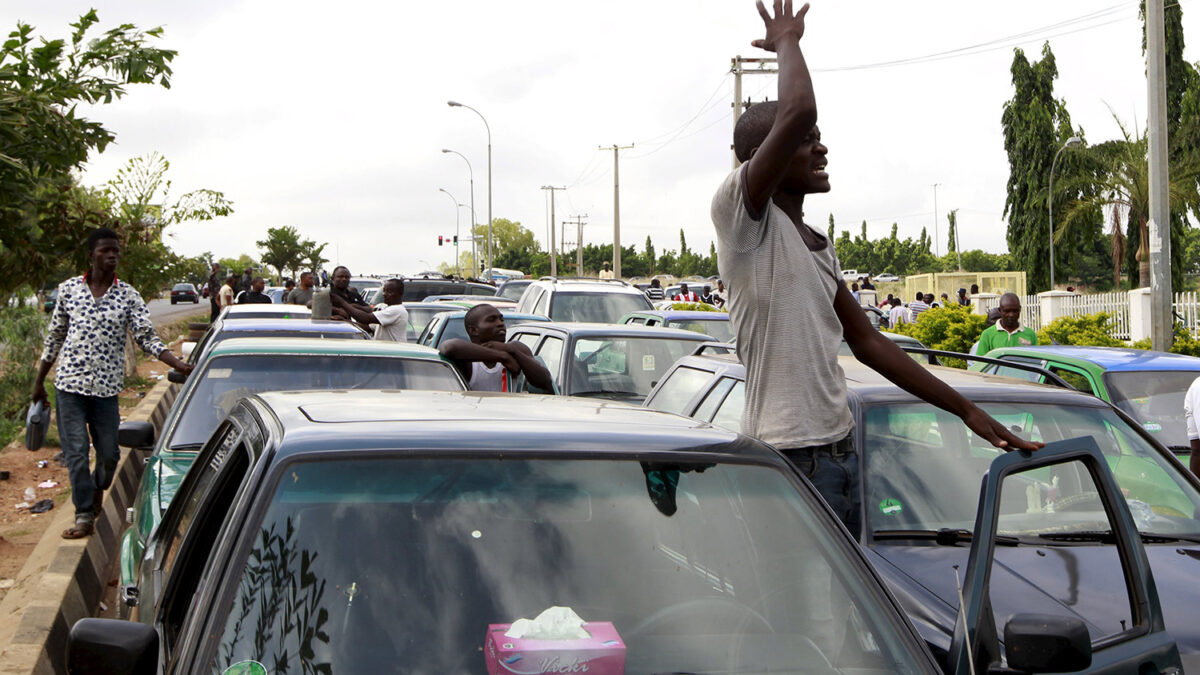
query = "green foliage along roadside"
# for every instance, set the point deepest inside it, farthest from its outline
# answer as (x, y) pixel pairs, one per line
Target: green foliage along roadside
(1089, 330)
(952, 328)
(20, 348)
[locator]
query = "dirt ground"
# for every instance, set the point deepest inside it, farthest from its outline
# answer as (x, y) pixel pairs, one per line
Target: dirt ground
(21, 530)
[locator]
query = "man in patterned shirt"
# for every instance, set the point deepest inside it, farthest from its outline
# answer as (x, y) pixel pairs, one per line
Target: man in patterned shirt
(88, 328)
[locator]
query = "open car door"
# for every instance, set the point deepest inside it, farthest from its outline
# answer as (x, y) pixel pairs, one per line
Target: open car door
(1066, 493)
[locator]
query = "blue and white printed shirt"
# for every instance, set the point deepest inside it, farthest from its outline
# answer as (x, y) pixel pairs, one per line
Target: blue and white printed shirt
(90, 334)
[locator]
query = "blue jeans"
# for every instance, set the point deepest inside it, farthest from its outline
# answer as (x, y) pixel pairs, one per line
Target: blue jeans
(78, 417)
(834, 470)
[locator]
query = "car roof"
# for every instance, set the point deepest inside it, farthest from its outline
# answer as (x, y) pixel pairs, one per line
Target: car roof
(619, 330)
(445, 306)
(590, 285)
(670, 314)
(1109, 358)
(301, 345)
(482, 421)
(872, 387)
(260, 308)
(506, 312)
(303, 325)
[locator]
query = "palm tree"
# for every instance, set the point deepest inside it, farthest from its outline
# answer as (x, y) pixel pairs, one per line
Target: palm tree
(1115, 175)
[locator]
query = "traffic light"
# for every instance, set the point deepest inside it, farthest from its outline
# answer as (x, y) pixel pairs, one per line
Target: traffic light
(439, 240)
(456, 240)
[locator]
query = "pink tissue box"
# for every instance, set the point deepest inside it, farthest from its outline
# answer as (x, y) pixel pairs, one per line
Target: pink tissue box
(601, 654)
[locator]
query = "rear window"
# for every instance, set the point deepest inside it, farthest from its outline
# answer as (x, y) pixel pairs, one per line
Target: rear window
(183, 287)
(596, 307)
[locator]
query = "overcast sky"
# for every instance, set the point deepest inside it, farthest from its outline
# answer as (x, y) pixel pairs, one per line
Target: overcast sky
(331, 116)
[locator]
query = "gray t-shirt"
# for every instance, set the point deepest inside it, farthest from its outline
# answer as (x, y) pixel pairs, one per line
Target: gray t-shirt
(299, 296)
(781, 305)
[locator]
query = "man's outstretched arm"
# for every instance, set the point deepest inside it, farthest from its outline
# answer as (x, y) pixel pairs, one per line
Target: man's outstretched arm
(797, 112)
(883, 356)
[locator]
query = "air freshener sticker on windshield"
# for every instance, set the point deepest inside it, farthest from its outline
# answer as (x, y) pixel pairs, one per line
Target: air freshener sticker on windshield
(219, 373)
(648, 362)
(890, 507)
(246, 668)
(1152, 427)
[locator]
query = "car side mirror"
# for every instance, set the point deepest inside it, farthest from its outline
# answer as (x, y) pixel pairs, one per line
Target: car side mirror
(1043, 643)
(176, 376)
(98, 646)
(137, 435)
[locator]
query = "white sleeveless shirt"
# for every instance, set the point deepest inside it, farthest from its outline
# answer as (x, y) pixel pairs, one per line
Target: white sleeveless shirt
(488, 379)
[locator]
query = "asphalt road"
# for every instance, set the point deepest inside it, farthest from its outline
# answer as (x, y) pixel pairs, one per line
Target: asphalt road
(162, 311)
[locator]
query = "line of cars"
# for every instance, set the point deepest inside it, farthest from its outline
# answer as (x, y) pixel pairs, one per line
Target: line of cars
(367, 526)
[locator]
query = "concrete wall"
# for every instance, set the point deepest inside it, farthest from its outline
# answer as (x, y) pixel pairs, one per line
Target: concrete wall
(64, 580)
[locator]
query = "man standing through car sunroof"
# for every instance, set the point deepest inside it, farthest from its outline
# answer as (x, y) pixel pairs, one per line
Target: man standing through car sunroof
(788, 304)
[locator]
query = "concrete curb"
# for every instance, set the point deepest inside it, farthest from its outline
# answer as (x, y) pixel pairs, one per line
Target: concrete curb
(64, 580)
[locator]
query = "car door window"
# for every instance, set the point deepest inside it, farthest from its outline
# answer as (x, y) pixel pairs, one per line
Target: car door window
(713, 399)
(527, 339)
(1017, 373)
(677, 392)
(550, 352)
(204, 509)
(1074, 377)
(542, 306)
(729, 414)
(638, 320)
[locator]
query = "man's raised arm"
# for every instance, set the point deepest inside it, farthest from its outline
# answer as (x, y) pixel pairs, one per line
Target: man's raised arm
(797, 111)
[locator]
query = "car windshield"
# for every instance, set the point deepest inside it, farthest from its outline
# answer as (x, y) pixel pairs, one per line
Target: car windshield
(622, 368)
(226, 379)
(923, 470)
(596, 307)
(419, 317)
(358, 565)
(720, 330)
(1154, 398)
(513, 291)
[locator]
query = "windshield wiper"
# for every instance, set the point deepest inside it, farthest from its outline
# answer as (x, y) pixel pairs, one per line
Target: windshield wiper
(187, 447)
(1162, 538)
(943, 537)
(1102, 536)
(1180, 449)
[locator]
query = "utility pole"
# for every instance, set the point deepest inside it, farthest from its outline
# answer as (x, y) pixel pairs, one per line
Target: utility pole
(1162, 322)
(578, 221)
(553, 250)
(935, 222)
(736, 67)
(617, 206)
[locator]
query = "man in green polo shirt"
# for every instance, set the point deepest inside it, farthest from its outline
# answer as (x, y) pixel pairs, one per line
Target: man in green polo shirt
(1008, 331)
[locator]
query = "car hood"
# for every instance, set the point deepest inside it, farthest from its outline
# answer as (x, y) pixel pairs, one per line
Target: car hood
(1081, 581)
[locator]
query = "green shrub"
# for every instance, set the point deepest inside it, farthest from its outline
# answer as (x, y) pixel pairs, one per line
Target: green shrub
(1089, 330)
(953, 328)
(20, 348)
(1184, 344)
(696, 307)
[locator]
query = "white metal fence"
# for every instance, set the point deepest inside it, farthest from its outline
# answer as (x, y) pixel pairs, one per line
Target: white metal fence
(1186, 307)
(1116, 304)
(1187, 311)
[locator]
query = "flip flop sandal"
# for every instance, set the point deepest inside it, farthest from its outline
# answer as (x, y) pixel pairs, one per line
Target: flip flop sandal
(79, 531)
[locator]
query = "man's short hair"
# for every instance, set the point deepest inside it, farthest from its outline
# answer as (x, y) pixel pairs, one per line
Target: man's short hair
(1010, 297)
(95, 236)
(395, 280)
(471, 318)
(305, 274)
(258, 279)
(341, 267)
(752, 128)
(231, 278)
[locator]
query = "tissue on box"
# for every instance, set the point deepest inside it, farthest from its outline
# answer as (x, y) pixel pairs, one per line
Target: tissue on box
(601, 654)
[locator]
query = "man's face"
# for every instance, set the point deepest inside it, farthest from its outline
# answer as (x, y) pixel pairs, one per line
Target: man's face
(393, 293)
(806, 173)
(341, 279)
(489, 327)
(1010, 314)
(720, 285)
(683, 288)
(258, 285)
(306, 280)
(929, 298)
(105, 255)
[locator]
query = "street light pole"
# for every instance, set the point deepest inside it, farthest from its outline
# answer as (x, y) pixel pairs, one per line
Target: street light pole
(456, 104)
(457, 266)
(471, 176)
(1070, 143)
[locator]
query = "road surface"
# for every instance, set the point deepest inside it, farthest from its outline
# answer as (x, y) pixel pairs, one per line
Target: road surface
(162, 311)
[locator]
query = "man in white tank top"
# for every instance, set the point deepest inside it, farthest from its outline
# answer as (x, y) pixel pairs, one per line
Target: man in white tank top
(487, 362)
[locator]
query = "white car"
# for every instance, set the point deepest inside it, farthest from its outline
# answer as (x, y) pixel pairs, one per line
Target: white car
(887, 277)
(851, 275)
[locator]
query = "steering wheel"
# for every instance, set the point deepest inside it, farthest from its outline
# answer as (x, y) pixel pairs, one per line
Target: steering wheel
(720, 606)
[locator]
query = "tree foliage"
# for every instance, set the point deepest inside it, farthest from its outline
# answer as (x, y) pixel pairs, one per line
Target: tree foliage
(284, 250)
(43, 211)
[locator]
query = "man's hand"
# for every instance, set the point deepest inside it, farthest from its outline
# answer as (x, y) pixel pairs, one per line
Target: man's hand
(39, 393)
(337, 300)
(996, 433)
(505, 355)
(785, 23)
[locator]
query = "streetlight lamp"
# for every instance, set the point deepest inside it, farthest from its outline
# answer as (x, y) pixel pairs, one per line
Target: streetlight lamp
(471, 175)
(456, 104)
(457, 265)
(1070, 143)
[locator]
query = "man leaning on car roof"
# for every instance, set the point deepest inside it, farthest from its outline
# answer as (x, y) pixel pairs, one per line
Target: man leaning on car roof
(487, 362)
